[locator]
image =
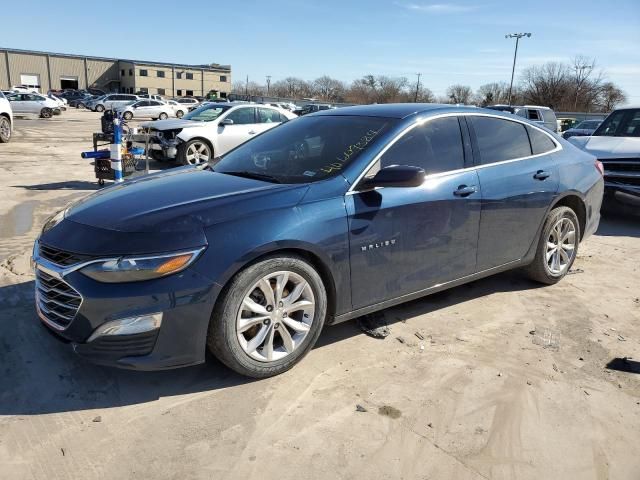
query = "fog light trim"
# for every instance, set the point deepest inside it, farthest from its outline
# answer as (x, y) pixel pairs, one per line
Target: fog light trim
(128, 326)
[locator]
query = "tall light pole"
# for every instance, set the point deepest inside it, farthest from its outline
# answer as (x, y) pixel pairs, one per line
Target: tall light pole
(268, 83)
(415, 100)
(517, 36)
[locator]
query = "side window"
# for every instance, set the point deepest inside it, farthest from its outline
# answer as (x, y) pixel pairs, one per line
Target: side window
(266, 115)
(500, 140)
(435, 146)
(534, 115)
(144, 103)
(540, 143)
(283, 118)
(154, 103)
(242, 116)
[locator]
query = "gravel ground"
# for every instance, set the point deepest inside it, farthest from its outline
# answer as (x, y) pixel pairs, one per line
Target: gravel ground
(498, 379)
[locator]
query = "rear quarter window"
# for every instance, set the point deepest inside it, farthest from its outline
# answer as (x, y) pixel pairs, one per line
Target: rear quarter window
(500, 139)
(540, 142)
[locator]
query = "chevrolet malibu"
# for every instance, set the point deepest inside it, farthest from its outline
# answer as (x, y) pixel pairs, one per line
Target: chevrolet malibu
(335, 215)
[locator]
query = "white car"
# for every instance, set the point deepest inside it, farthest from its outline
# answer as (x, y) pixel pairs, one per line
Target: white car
(6, 119)
(32, 103)
(179, 109)
(191, 103)
(211, 130)
(61, 102)
(146, 109)
(616, 143)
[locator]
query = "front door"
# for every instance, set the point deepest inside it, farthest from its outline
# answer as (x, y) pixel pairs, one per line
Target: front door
(242, 129)
(403, 240)
(519, 180)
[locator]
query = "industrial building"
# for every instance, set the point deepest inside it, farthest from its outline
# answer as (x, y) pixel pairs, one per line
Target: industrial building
(57, 71)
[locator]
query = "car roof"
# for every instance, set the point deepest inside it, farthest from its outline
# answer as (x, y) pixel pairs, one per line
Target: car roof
(399, 110)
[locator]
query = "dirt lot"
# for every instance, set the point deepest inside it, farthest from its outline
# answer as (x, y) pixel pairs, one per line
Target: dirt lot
(508, 380)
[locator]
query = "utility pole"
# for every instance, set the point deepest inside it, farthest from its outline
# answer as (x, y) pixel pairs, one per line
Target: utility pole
(415, 100)
(517, 36)
(580, 80)
(268, 83)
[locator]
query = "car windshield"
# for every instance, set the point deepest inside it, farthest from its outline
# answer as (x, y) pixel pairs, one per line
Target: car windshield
(621, 123)
(206, 113)
(588, 125)
(305, 149)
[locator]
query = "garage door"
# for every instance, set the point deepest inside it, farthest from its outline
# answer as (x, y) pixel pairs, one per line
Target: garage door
(30, 80)
(68, 82)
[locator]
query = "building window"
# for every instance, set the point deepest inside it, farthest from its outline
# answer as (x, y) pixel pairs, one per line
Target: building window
(189, 76)
(223, 94)
(160, 73)
(122, 72)
(178, 75)
(161, 91)
(144, 73)
(189, 93)
(223, 78)
(179, 93)
(144, 90)
(131, 72)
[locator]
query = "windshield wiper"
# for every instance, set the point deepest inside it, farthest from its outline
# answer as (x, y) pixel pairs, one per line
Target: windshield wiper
(256, 175)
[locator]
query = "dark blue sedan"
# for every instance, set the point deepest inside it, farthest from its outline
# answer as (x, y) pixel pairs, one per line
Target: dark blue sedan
(320, 220)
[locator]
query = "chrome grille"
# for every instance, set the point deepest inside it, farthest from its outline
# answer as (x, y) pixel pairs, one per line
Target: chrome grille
(60, 257)
(57, 301)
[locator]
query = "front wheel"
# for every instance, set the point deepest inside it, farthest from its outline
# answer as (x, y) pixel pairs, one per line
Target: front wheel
(557, 247)
(127, 115)
(269, 317)
(99, 108)
(194, 152)
(163, 116)
(5, 129)
(46, 113)
(179, 114)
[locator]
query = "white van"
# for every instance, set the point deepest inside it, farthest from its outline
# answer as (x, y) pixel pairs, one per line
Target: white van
(538, 114)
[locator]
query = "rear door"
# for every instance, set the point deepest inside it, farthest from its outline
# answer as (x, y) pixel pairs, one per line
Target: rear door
(242, 129)
(403, 240)
(519, 179)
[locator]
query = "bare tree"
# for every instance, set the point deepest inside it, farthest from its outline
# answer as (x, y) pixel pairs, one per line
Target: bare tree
(459, 94)
(610, 97)
(328, 89)
(493, 93)
(547, 84)
(424, 94)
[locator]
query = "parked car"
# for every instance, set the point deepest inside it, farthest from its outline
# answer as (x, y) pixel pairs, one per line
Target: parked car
(313, 107)
(584, 128)
(146, 109)
(149, 96)
(542, 115)
(191, 103)
(179, 109)
(80, 102)
(211, 130)
(616, 143)
(566, 123)
(60, 102)
(33, 103)
(110, 102)
(329, 217)
(6, 119)
(26, 89)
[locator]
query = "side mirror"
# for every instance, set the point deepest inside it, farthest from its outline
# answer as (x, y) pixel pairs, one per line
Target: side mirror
(226, 121)
(399, 176)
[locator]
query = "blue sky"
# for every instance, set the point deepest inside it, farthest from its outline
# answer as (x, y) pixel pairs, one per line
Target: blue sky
(448, 42)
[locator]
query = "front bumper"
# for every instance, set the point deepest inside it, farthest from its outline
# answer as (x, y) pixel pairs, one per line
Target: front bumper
(185, 299)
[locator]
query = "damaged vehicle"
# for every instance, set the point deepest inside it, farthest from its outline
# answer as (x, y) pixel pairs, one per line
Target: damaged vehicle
(332, 216)
(209, 131)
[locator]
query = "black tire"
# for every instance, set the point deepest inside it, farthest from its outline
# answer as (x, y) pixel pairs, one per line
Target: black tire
(127, 115)
(539, 269)
(5, 129)
(179, 114)
(57, 111)
(163, 116)
(46, 112)
(81, 105)
(157, 155)
(99, 108)
(222, 339)
(184, 147)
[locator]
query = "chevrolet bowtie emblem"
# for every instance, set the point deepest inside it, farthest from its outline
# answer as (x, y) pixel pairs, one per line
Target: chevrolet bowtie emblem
(373, 246)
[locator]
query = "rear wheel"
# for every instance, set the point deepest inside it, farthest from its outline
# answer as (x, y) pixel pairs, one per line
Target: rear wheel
(194, 152)
(269, 317)
(557, 247)
(163, 116)
(46, 113)
(179, 114)
(5, 129)
(99, 108)
(127, 115)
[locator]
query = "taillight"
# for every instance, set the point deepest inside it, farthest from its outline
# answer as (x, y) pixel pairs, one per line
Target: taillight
(600, 167)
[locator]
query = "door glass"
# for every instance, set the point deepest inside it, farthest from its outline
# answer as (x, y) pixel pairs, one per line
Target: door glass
(540, 143)
(266, 115)
(435, 146)
(533, 115)
(242, 116)
(500, 140)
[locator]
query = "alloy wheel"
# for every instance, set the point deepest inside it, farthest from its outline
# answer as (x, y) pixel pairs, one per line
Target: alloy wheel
(198, 152)
(5, 129)
(561, 246)
(275, 316)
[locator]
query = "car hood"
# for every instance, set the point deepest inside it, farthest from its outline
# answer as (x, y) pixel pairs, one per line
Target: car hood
(180, 200)
(611, 147)
(172, 124)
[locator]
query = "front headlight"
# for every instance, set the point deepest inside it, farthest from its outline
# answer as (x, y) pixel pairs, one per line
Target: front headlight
(137, 269)
(54, 220)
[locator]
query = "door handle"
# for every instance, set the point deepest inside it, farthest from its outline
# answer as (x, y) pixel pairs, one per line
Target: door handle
(464, 191)
(541, 175)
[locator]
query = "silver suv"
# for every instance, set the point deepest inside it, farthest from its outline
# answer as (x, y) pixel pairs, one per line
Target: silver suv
(111, 101)
(542, 115)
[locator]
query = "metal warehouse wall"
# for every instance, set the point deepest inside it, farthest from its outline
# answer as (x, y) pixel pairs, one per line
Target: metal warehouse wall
(103, 74)
(28, 64)
(62, 66)
(4, 80)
